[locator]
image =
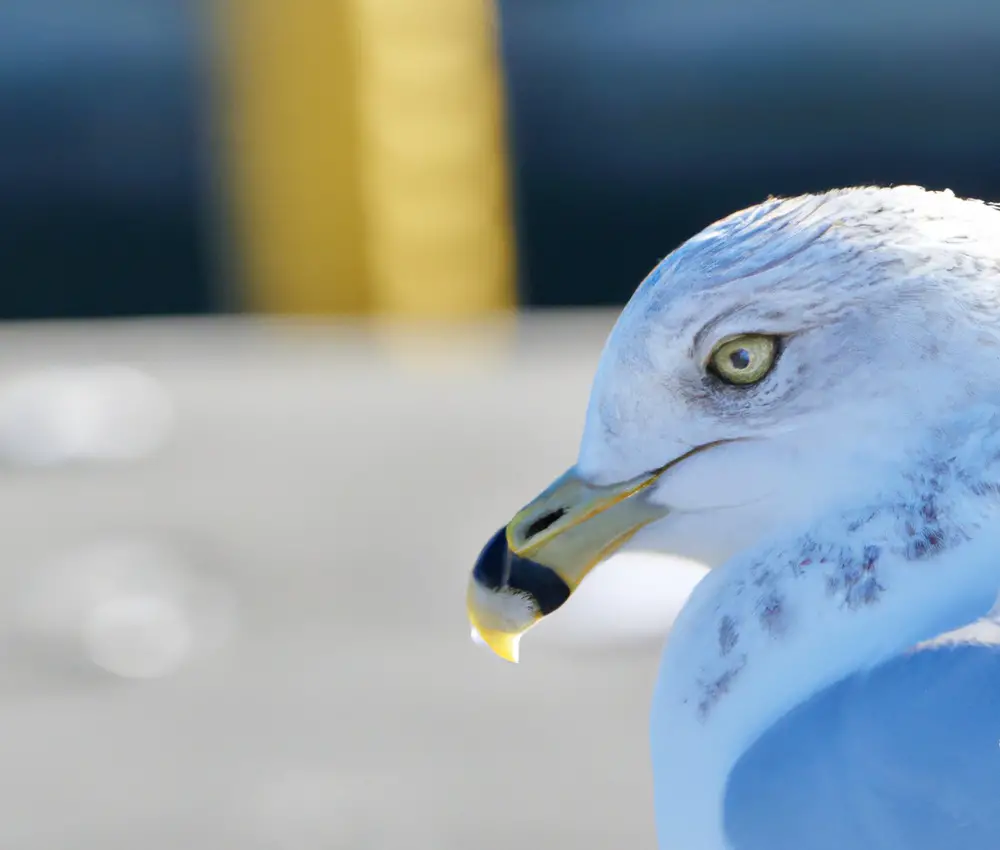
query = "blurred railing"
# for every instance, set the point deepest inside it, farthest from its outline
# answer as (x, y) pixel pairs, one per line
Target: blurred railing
(351, 156)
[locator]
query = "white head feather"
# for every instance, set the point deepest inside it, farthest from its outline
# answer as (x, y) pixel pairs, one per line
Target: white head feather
(890, 302)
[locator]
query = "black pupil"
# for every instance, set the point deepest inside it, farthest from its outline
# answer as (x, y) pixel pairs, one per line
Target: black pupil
(740, 358)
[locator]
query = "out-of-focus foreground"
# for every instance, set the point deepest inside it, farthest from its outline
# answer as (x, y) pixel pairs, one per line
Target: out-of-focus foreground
(249, 631)
(235, 546)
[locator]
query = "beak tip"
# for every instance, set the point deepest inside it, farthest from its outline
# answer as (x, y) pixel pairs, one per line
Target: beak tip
(506, 646)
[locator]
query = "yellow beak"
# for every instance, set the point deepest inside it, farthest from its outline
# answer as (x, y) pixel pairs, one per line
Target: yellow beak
(531, 567)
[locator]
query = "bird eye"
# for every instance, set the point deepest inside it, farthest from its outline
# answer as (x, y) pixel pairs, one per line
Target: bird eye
(744, 359)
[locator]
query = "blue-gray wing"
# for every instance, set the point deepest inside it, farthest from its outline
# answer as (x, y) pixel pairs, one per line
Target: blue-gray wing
(903, 757)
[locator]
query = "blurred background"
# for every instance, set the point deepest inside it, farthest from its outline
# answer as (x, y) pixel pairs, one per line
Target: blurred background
(301, 300)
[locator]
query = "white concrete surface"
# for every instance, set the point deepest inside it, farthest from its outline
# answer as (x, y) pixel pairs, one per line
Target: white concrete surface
(255, 636)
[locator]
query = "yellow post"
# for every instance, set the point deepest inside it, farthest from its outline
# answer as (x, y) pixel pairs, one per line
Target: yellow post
(368, 156)
(433, 158)
(289, 99)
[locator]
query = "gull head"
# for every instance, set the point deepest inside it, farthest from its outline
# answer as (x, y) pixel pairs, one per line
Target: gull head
(760, 375)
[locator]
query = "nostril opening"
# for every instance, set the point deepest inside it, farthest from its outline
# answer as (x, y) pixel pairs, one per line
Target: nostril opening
(544, 521)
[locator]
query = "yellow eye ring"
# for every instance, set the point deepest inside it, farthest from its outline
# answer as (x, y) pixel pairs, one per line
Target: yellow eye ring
(744, 359)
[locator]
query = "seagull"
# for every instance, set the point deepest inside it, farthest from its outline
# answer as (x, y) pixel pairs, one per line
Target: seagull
(804, 397)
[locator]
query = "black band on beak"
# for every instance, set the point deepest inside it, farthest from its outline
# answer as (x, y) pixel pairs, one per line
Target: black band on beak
(498, 568)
